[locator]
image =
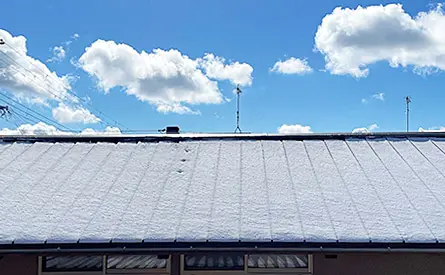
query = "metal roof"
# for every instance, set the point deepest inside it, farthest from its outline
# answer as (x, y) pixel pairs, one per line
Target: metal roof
(387, 188)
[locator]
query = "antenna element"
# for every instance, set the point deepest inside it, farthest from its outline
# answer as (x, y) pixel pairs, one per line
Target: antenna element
(238, 92)
(408, 101)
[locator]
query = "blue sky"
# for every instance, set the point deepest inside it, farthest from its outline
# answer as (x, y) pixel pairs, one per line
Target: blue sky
(253, 33)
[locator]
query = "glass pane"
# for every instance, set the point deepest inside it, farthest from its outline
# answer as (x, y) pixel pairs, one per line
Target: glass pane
(277, 261)
(72, 263)
(136, 261)
(220, 261)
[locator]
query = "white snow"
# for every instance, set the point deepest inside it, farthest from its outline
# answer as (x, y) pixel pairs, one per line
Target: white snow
(403, 214)
(223, 190)
(316, 223)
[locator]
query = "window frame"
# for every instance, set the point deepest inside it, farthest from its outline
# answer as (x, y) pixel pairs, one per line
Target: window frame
(166, 270)
(278, 270)
(42, 272)
(211, 271)
(105, 270)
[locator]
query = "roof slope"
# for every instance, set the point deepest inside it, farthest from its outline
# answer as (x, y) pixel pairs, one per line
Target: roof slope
(315, 190)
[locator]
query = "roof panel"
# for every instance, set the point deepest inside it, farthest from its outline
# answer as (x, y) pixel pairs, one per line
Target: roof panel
(317, 189)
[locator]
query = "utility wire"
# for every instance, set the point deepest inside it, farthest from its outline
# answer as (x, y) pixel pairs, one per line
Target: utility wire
(67, 89)
(28, 111)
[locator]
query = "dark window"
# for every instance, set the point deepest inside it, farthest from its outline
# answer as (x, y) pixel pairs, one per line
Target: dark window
(71, 263)
(214, 261)
(136, 261)
(277, 261)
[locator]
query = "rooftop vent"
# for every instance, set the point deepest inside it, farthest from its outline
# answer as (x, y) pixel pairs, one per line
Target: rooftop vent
(172, 130)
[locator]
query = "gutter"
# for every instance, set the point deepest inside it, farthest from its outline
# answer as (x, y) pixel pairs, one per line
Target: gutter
(191, 249)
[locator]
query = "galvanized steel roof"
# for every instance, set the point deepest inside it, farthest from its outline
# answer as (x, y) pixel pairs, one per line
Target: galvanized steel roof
(293, 189)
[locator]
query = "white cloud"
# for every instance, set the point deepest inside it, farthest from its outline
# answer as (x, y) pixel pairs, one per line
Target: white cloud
(68, 114)
(379, 96)
(235, 72)
(368, 129)
(352, 39)
(26, 77)
(162, 78)
(364, 100)
(59, 54)
(108, 131)
(294, 129)
(291, 66)
(433, 129)
(176, 108)
(75, 36)
(44, 129)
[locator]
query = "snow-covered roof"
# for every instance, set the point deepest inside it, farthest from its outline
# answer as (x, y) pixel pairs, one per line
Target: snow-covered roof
(307, 188)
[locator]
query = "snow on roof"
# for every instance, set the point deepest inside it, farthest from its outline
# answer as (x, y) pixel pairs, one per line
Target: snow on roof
(318, 188)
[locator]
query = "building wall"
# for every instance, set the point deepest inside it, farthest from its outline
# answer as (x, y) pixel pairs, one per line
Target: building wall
(18, 265)
(380, 263)
(343, 264)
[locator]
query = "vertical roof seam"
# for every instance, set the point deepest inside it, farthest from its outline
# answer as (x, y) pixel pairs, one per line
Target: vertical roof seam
(28, 146)
(99, 167)
(266, 183)
(161, 190)
(31, 164)
(437, 146)
(375, 191)
(143, 174)
(187, 191)
(62, 182)
(115, 179)
(417, 175)
(432, 164)
(215, 183)
(401, 189)
(37, 181)
(240, 194)
(348, 191)
(294, 191)
(7, 148)
(321, 190)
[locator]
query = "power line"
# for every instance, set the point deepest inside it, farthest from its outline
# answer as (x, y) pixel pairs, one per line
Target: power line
(28, 111)
(67, 88)
(37, 84)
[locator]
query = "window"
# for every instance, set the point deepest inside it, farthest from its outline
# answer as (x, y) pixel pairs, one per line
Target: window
(71, 264)
(214, 261)
(295, 263)
(100, 264)
(138, 263)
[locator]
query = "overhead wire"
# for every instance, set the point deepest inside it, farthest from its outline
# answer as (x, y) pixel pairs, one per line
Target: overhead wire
(36, 115)
(68, 90)
(16, 70)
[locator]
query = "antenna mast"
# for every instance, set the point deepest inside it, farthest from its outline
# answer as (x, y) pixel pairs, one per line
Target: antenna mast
(238, 92)
(408, 101)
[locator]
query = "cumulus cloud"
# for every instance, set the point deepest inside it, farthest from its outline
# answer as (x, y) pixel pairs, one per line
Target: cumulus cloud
(291, 66)
(176, 108)
(294, 129)
(379, 96)
(368, 129)
(163, 78)
(68, 114)
(59, 54)
(352, 39)
(237, 73)
(26, 77)
(44, 129)
(433, 129)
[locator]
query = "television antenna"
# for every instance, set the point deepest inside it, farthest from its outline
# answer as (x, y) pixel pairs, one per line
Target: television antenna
(238, 93)
(408, 101)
